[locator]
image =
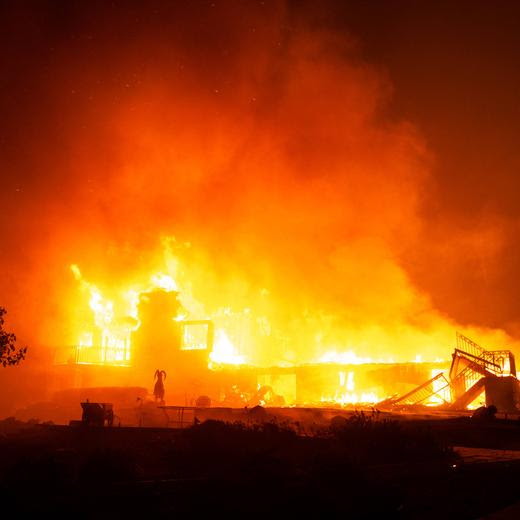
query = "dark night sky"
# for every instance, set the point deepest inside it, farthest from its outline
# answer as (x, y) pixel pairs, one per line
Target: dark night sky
(451, 70)
(456, 75)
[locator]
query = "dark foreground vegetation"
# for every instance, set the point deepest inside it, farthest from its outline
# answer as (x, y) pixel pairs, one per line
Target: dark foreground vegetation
(360, 467)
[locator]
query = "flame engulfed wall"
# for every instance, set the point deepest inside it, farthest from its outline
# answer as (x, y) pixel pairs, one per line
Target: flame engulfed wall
(248, 329)
(106, 334)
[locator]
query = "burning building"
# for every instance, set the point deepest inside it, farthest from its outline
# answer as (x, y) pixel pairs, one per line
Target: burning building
(311, 258)
(205, 356)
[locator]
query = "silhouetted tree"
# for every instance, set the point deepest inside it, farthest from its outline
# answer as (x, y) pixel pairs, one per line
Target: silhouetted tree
(9, 354)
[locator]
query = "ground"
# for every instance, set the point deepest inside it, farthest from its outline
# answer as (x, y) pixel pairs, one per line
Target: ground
(360, 466)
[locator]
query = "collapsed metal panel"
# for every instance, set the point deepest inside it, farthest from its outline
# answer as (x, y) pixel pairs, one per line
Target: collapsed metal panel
(424, 392)
(473, 370)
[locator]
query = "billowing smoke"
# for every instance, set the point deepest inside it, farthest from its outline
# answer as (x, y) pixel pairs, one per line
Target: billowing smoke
(240, 128)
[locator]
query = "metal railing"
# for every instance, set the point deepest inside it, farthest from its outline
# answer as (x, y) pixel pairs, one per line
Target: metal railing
(470, 365)
(425, 391)
(465, 344)
(503, 358)
(479, 363)
(95, 355)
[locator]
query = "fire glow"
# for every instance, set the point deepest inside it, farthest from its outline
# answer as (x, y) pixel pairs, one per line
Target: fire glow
(115, 339)
(226, 336)
(346, 392)
(296, 202)
(105, 332)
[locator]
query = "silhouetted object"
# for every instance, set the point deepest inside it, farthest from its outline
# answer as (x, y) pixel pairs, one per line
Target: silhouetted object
(158, 337)
(9, 354)
(158, 389)
(338, 423)
(485, 413)
(203, 401)
(504, 393)
(257, 413)
(96, 414)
